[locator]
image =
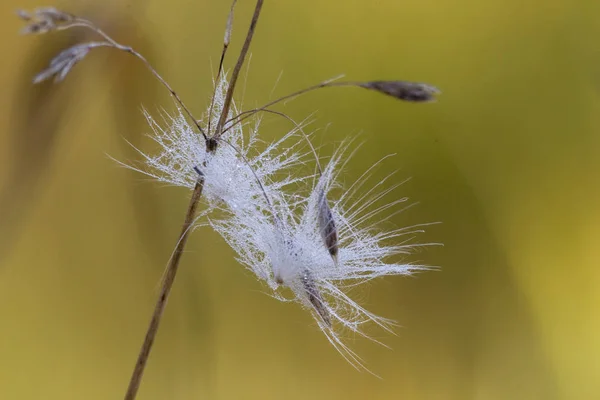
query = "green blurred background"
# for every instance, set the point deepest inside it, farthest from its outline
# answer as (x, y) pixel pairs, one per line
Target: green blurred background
(507, 159)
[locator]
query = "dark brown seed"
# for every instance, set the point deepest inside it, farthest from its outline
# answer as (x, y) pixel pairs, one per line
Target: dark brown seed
(315, 297)
(407, 91)
(327, 226)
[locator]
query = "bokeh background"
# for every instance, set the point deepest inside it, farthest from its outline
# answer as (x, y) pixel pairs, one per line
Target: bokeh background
(508, 160)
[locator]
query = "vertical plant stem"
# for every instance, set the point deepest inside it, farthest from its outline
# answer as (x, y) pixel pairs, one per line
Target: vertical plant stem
(171, 272)
(237, 69)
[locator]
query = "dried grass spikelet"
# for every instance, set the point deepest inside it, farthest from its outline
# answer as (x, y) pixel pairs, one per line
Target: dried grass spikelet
(61, 64)
(44, 19)
(408, 91)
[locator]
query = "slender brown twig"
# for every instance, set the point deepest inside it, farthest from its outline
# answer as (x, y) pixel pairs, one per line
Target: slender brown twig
(237, 69)
(226, 41)
(167, 284)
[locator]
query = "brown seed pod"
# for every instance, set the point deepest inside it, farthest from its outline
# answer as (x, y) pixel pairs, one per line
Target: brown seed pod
(327, 226)
(315, 297)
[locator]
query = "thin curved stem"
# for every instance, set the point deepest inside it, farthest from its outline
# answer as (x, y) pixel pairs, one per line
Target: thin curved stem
(81, 22)
(328, 83)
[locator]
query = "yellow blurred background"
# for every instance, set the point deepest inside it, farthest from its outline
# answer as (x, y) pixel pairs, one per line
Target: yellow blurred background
(508, 160)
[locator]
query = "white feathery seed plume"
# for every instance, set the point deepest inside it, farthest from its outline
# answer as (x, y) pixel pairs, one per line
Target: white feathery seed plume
(236, 175)
(285, 248)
